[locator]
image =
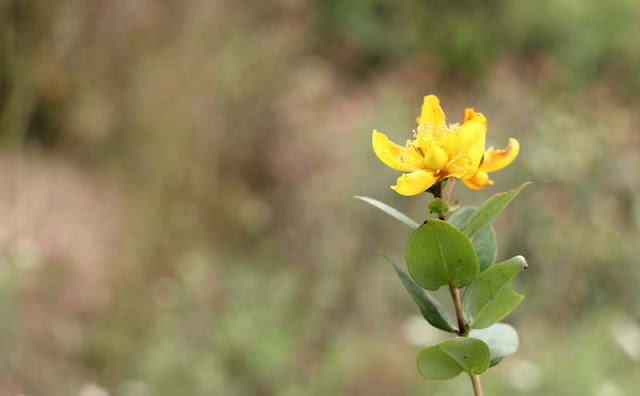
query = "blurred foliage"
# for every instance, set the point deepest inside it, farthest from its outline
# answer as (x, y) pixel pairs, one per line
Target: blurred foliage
(177, 179)
(468, 37)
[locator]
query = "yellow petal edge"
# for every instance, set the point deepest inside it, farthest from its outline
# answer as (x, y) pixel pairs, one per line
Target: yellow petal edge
(431, 112)
(479, 181)
(497, 159)
(414, 183)
(394, 156)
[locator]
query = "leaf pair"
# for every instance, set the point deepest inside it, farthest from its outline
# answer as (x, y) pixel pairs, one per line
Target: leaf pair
(475, 223)
(486, 300)
(448, 360)
(438, 254)
(473, 355)
(469, 225)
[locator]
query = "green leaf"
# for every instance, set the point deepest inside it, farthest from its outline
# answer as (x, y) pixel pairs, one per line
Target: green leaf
(484, 240)
(448, 359)
(501, 338)
(439, 254)
(431, 309)
(490, 209)
(490, 297)
(389, 210)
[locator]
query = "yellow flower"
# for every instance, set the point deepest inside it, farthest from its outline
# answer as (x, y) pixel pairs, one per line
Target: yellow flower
(440, 151)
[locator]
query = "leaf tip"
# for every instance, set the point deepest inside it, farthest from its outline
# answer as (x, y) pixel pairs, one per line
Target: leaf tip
(524, 185)
(525, 263)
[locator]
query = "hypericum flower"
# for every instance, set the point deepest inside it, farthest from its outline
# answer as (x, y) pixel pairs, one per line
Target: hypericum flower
(440, 151)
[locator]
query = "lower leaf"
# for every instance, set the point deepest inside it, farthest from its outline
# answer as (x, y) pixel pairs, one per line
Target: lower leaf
(430, 308)
(448, 359)
(501, 338)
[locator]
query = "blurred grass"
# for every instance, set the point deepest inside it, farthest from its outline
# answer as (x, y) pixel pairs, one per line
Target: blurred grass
(177, 181)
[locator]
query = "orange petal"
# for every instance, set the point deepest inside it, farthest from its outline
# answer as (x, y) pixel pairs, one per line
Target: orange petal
(478, 181)
(468, 115)
(415, 182)
(497, 159)
(431, 113)
(394, 156)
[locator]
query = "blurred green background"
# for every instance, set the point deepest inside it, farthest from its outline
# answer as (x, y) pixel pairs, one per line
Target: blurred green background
(176, 182)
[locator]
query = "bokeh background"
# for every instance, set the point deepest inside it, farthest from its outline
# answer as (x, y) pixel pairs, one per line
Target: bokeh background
(176, 182)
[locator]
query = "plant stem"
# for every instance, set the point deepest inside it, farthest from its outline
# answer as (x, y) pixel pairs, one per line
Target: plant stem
(452, 185)
(463, 330)
(457, 303)
(437, 193)
(477, 386)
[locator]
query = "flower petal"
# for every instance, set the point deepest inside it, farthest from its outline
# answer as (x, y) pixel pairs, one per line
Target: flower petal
(472, 136)
(415, 182)
(497, 159)
(394, 156)
(478, 181)
(431, 113)
(468, 114)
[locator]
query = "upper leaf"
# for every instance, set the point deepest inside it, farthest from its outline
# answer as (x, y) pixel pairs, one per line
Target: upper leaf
(484, 239)
(431, 309)
(390, 211)
(448, 359)
(439, 254)
(490, 209)
(490, 297)
(501, 338)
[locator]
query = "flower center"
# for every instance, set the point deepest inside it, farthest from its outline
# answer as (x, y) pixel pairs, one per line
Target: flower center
(435, 157)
